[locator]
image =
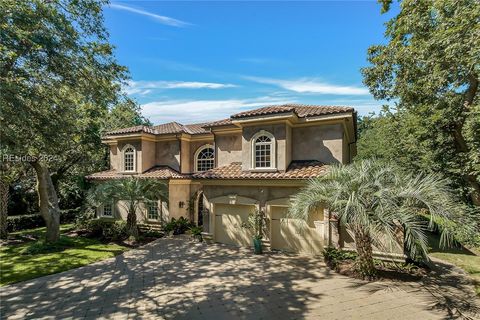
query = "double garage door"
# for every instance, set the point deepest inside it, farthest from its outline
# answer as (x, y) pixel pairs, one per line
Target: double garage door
(285, 234)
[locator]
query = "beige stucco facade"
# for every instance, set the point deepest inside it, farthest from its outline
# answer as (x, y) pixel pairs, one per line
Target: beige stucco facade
(226, 202)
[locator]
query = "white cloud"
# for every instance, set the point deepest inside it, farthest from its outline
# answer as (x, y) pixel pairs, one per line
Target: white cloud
(307, 85)
(191, 111)
(162, 19)
(145, 87)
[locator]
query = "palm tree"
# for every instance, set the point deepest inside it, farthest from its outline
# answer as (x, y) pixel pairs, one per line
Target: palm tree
(374, 201)
(132, 191)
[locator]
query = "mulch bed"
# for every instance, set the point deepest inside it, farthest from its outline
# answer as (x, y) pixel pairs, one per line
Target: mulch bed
(385, 271)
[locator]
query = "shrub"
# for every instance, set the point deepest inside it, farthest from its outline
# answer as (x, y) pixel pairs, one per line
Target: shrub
(95, 227)
(26, 221)
(41, 247)
(116, 231)
(334, 256)
(178, 226)
(30, 221)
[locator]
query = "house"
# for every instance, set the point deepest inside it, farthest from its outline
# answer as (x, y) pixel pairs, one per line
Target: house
(219, 172)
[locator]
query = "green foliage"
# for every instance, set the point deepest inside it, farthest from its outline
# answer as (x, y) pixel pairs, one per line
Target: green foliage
(430, 68)
(196, 230)
(42, 247)
(29, 221)
(334, 256)
(374, 200)
(178, 226)
(26, 221)
(116, 231)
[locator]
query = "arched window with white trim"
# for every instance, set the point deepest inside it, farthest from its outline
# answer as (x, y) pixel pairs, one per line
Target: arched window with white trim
(204, 158)
(263, 150)
(129, 158)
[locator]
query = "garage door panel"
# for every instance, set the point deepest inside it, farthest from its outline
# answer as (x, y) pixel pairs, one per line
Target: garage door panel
(228, 224)
(294, 235)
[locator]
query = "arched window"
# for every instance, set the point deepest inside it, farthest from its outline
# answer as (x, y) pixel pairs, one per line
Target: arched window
(129, 159)
(205, 158)
(263, 150)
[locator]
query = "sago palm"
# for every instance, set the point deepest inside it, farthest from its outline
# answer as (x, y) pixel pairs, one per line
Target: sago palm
(131, 192)
(374, 201)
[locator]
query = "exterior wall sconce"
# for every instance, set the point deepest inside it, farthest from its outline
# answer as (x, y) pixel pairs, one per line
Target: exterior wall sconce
(181, 204)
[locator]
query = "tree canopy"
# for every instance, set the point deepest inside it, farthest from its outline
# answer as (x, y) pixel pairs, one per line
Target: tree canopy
(430, 70)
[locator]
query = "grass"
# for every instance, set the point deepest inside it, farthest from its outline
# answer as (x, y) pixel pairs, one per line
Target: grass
(34, 258)
(458, 256)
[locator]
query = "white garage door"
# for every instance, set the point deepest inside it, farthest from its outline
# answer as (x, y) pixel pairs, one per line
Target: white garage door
(228, 224)
(295, 235)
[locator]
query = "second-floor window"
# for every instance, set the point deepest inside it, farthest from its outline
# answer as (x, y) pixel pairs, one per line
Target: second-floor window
(129, 159)
(205, 158)
(263, 150)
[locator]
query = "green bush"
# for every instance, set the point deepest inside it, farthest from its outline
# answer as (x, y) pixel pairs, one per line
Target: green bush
(31, 221)
(116, 231)
(178, 226)
(41, 247)
(334, 256)
(26, 221)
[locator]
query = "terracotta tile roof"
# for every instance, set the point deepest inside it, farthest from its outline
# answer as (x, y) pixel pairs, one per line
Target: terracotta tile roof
(168, 128)
(223, 122)
(131, 130)
(159, 172)
(301, 110)
(196, 128)
(296, 170)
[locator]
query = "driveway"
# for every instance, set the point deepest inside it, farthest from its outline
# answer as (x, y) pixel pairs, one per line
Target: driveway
(178, 279)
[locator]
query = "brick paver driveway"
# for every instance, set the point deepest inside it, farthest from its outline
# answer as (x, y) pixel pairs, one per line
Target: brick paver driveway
(178, 279)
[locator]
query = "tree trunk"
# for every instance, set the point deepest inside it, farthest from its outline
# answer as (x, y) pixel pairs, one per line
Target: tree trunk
(364, 262)
(4, 195)
(132, 228)
(48, 202)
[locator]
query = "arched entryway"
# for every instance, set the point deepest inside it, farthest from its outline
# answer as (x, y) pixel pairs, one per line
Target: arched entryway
(202, 212)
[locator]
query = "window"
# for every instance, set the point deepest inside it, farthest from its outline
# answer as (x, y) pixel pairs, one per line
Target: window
(205, 158)
(263, 150)
(153, 212)
(106, 210)
(129, 158)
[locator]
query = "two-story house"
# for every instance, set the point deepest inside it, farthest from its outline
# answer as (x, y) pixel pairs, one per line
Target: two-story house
(219, 172)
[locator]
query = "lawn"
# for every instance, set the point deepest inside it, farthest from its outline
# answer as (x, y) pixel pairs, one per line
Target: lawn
(461, 257)
(32, 258)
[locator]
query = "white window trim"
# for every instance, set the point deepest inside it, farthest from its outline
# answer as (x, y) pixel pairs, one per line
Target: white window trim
(159, 210)
(134, 158)
(273, 156)
(102, 208)
(200, 149)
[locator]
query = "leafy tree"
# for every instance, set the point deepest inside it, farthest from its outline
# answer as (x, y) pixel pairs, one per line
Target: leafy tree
(131, 192)
(374, 201)
(430, 67)
(58, 77)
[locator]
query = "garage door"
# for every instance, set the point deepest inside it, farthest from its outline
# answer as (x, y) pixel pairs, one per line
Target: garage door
(295, 235)
(228, 224)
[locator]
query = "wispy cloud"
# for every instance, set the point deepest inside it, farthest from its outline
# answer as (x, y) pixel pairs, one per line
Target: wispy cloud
(162, 19)
(145, 87)
(188, 111)
(308, 85)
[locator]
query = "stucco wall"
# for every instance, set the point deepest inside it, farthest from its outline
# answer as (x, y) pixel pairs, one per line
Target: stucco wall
(323, 143)
(178, 193)
(279, 131)
(114, 154)
(167, 153)
(148, 155)
(228, 149)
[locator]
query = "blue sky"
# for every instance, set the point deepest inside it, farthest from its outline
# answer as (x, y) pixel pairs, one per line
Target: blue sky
(197, 61)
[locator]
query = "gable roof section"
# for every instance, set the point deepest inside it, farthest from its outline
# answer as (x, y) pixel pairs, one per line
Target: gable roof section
(158, 172)
(296, 170)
